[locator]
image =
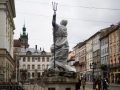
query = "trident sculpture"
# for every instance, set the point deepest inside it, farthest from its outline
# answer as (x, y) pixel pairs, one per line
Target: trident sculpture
(54, 19)
(60, 46)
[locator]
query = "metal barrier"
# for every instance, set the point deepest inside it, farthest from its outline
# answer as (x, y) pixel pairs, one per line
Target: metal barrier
(38, 85)
(18, 87)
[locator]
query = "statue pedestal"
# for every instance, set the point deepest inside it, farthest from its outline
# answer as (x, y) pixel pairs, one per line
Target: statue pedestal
(59, 83)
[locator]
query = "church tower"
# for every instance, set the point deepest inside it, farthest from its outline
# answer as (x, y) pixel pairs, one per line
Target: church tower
(24, 38)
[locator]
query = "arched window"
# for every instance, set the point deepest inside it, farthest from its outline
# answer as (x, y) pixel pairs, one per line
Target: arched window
(33, 66)
(43, 67)
(43, 59)
(38, 59)
(23, 59)
(38, 66)
(24, 67)
(33, 59)
(28, 67)
(47, 59)
(47, 66)
(28, 59)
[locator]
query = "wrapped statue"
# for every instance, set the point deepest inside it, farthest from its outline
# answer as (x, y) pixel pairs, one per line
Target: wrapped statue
(60, 45)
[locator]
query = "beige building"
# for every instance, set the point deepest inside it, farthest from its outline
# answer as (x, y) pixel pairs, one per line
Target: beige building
(71, 58)
(89, 59)
(33, 62)
(7, 13)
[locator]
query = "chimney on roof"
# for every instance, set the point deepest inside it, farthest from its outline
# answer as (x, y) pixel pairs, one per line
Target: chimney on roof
(112, 25)
(36, 47)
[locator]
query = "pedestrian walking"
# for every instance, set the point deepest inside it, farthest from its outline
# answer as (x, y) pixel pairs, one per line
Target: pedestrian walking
(99, 84)
(97, 88)
(83, 83)
(96, 81)
(104, 85)
(77, 86)
(107, 86)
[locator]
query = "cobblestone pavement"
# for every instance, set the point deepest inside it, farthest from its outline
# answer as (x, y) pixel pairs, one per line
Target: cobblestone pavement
(90, 86)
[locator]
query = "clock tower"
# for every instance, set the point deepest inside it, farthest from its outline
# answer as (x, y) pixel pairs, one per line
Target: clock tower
(24, 38)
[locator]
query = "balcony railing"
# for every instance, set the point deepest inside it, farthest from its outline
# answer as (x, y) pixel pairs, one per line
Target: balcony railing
(114, 65)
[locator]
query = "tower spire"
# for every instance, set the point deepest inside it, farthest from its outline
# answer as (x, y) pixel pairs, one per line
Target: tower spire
(24, 22)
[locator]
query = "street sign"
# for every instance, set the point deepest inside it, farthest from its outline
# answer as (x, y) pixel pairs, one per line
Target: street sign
(1, 75)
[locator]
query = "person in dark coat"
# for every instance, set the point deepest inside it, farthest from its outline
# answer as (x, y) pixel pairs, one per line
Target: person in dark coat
(104, 85)
(78, 84)
(99, 84)
(96, 81)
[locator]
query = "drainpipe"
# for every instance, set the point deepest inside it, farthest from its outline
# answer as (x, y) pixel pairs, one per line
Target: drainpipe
(16, 68)
(108, 61)
(101, 69)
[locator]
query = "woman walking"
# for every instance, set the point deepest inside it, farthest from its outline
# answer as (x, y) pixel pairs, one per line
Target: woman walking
(83, 83)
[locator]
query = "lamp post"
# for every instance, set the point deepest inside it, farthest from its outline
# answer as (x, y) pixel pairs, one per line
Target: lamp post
(93, 66)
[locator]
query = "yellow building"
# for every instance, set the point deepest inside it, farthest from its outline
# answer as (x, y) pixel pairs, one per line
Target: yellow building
(114, 54)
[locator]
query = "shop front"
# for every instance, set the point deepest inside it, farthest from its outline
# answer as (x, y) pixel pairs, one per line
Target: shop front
(115, 75)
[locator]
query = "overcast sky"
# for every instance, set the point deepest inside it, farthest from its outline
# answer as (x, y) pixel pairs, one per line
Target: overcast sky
(82, 22)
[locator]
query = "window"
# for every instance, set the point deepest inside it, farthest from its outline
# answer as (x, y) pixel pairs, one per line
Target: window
(32, 74)
(38, 74)
(33, 59)
(107, 49)
(43, 67)
(110, 50)
(38, 59)
(118, 48)
(24, 67)
(110, 40)
(33, 67)
(114, 39)
(28, 67)
(114, 49)
(23, 59)
(43, 59)
(16, 49)
(118, 37)
(29, 75)
(38, 66)
(103, 51)
(47, 66)
(47, 59)
(28, 59)
(42, 73)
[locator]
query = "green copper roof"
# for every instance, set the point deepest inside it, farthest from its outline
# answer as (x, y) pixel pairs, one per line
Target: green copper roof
(24, 33)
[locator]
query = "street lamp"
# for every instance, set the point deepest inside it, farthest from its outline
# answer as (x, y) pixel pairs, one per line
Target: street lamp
(93, 66)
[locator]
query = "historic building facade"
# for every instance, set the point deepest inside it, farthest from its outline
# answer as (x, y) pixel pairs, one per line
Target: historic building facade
(96, 54)
(7, 13)
(114, 53)
(71, 58)
(89, 59)
(82, 59)
(33, 62)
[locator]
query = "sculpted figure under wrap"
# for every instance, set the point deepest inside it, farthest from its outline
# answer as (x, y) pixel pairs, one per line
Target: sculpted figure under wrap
(61, 46)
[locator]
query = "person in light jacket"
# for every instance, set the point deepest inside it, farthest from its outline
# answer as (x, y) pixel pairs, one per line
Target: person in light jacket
(83, 83)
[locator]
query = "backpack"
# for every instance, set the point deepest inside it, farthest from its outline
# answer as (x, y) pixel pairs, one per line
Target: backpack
(96, 86)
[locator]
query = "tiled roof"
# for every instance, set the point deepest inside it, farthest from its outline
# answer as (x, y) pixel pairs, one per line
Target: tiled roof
(23, 50)
(17, 43)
